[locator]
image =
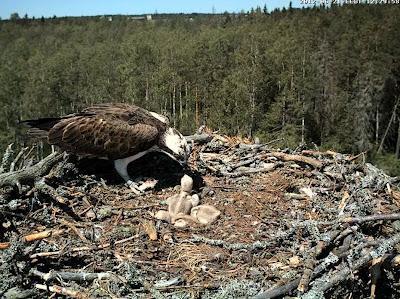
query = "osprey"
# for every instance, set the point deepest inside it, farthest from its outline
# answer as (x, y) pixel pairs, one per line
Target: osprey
(119, 132)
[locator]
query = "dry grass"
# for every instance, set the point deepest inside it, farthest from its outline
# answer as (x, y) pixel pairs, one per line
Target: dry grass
(195, 257)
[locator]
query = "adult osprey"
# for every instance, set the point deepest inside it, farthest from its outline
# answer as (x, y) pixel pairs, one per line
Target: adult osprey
(119, 132)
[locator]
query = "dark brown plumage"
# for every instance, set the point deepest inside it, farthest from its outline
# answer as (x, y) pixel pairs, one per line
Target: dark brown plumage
(106, 130)
(120, 132)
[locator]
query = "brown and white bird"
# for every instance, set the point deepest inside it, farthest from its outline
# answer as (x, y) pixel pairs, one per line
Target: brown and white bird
(119, 132)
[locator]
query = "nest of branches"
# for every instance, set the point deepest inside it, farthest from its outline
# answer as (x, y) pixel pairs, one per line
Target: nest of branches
(293, 223)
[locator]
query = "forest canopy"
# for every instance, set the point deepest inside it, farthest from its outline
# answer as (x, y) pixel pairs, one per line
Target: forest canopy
(328, 76)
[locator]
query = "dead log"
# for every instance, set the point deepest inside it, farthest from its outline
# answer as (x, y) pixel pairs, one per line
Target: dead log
(332, 259)
(297, 158)
(305, 279)
(318, 153)
(62, 291)
(279, 291)
(323, 285)
(71, 276)
(199, 138)
(41, 186)
(394, 216)
(29, 174)
(267, 168)
(263, 146)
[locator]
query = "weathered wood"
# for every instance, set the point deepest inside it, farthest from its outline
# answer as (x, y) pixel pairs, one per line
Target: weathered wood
(62, 291)
(6, 160)
(323, 285)
(297, 158)
(394, 216)
(199, 138)
(17, 158)
(74, 276)
(29, 174)
(262, 146)
(267, 168)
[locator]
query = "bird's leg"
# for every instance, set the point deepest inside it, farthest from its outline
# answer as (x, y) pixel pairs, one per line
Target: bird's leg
(121, 166)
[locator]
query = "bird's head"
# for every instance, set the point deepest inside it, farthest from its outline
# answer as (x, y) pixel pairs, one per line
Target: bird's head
(175, 145)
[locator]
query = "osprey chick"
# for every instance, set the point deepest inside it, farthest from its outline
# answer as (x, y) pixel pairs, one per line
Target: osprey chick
(119, 132)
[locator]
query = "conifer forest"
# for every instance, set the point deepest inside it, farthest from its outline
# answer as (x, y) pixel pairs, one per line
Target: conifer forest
(326, 77)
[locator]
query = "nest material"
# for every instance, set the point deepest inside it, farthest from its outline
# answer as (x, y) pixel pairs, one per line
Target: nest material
(303, 223)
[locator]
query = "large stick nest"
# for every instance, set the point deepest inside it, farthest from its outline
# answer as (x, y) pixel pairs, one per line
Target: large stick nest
(303, 223)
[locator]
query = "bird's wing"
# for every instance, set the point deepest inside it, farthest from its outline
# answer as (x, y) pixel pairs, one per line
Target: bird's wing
(103, 137)
(130, 113)
(116, 110)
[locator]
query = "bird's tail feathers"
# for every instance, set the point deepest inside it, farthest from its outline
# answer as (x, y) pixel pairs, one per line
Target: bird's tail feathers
(39, 128)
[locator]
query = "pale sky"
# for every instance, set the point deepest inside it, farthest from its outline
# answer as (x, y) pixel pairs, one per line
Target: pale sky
(60, 8)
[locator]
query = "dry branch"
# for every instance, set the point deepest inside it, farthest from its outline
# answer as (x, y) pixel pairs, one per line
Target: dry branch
(43, 235)
(394, 216)
(6, 160)
(62, 291)
(17, 158)
(29, 174)
(199, 138)
(318, 153)
(41, 186)
(4, 245)
(267, 168)
(322, 285)
(74, 276)
(297, 158)
(35, 236)
(82, 248)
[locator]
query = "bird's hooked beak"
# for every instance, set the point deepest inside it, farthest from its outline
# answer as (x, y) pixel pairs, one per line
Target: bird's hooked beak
(175, 146)
(182, 160)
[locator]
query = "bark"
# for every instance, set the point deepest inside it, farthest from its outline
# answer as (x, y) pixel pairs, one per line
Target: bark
(29, 174)
(180, 104)
(197, 119)
(297, 158)
(174, 104)
(398, 142)
(198, 138)
(388, 126)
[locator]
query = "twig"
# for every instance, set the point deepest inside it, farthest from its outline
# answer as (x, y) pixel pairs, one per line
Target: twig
(331, 259)
(74, 229)
(5, 162)
(62, 291)
(74, 276)
(43, 235)
(35, 237)
(231, 246)
(17, 158)
(83, 248)
(322, 285)
(394, 216)
(50, 191)
(291, 285)
(305, 279)
(318, 153)
(199, 138)
(375, 274)
(262, 146)
(267, 168)
(4, 245)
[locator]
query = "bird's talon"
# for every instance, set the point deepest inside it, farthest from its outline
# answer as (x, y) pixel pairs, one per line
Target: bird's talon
(135, 188)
